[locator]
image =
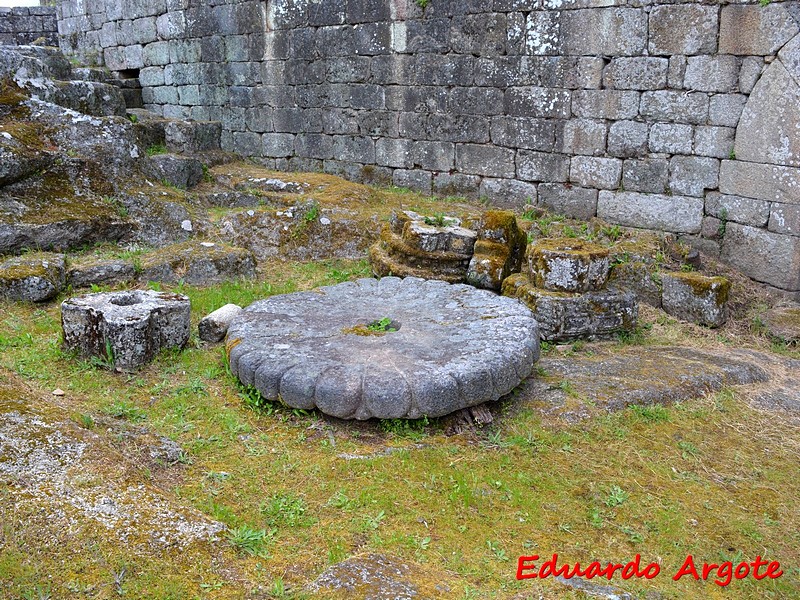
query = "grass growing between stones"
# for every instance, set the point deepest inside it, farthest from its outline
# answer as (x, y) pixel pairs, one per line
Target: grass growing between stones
(709, 477)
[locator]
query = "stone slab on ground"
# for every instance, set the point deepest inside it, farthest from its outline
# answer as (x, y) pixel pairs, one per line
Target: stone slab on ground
(696, 298)
(388, 348)
(86, 273)
(198, 263)
(379, 577)
(70, 482)
(33, 277)
(784, 323)
(611, 379)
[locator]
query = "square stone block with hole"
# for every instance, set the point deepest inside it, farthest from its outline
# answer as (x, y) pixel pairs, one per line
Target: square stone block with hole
(125, 329)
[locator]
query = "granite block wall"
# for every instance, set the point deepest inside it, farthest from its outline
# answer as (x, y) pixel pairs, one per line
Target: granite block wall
(677, 116)
(23, 25)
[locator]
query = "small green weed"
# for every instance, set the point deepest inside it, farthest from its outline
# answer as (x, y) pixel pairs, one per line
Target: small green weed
(248, 540)
(616, 496)
(123, 409)
(651, 414)
(285, 509)
(382, 325)
(156, 149)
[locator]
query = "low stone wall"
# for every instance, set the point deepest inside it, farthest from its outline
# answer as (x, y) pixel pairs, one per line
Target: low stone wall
(23, 25)
(681, 117)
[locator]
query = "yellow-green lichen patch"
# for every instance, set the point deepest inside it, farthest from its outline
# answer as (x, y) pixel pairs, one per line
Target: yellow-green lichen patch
(717, 288)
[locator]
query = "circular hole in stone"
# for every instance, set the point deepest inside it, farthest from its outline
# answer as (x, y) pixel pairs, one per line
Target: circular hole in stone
(128, 299)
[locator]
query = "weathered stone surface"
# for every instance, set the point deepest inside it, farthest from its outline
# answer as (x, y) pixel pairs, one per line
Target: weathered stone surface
(91, 272)
(637, 277)
(198, 263)
(784, 218)
(499, 250)
(612, 379)
(678, 214)
(192, 136)
(627, 139)
(755, 30)
(564, 317)
(376, 577)
(648, 175)
(772, 111)
(595, 172)
(746, 211)
(567, 265)
(764, 256)
(574, 202)
(453, 347)
(183, 172)
(695, 297)
(426, 247)
(709, 73)
(683, 29)
(636, 73)
(33, 277)
(774, 183)
(134, 325)
(214, 326)
(783, 323)
(692, 175)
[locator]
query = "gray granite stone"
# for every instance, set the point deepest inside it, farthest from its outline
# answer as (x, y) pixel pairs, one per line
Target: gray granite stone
(127, 329)
(453, 347)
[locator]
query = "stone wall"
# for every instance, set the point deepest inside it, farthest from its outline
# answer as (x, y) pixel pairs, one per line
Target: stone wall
(24, 25)
(682, 117)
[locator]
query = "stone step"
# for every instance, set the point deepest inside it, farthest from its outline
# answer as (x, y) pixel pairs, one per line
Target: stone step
(182, 172)
(90, 74)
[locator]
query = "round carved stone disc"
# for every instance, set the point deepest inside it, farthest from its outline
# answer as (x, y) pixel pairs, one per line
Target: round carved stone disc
(388, 348)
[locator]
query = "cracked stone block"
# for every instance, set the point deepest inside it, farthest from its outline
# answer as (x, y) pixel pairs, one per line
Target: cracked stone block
(567, 265)
(564, 317)
(696, 298)
(636, 277)
(128, 328)
(32, 278)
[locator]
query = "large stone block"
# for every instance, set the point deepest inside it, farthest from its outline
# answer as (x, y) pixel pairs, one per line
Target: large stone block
(127, 329)
(696, 298)
(627, 139)
(541, 166)
(605, 104)
(755, 30)
(714, 141)
(499, 250)
(726, 109)
(636, 73)
(678, 107)
(485, 160)
(564, 317)
(747, 211)
(537, 102)
(764, 256)
(582, 136)
(648, 175)
(595, 172)
(768, 129)
(32, 278)
(523, 132)
(712, 73)
(785, 218)
(683, 29)
(692, 175)
(567, 265)
(569, 200)
(508, 193)
(756, 180)
(604, 31)
(671, 138)
(678, 214)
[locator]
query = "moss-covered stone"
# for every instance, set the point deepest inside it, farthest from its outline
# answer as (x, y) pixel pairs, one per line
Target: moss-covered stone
(638, 277)
(567, 265)
(784, 324)
(33, 277)
(499, 251)
(197, 263)
(696, 297)
(565, 316)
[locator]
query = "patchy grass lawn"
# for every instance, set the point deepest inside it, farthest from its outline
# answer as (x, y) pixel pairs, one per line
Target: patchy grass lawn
(299, 492)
